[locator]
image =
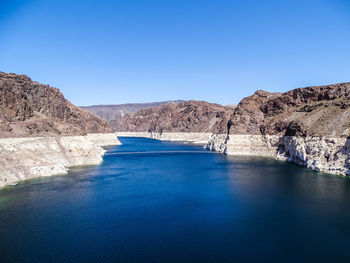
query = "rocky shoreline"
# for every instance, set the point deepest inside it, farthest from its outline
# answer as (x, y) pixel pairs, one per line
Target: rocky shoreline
(307, 126)
(31, 157)
(326, 154)
(192, 137)
(43, 134)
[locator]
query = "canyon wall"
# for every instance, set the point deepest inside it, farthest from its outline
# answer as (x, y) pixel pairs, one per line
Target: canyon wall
(307, 126)
(327, 154)
(43, 134)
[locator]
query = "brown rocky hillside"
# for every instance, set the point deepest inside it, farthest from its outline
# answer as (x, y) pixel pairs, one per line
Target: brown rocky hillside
(29, 108)
(188, 116)
(311, 111)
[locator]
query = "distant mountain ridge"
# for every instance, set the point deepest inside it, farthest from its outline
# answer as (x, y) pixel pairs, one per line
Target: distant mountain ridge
(188, 116)
(117, 111)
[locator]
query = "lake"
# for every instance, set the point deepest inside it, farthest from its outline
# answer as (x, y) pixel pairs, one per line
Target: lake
(154, 201)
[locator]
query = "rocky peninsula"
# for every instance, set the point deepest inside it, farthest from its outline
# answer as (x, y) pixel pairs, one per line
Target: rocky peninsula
(42, 133)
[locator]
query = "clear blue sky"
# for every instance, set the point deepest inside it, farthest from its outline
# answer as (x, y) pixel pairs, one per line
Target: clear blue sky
(109, 52)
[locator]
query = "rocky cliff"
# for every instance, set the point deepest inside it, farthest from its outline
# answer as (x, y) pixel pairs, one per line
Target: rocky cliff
(186, 117)
(308, 126)
(43, 134)
(312, 111)
(31, 157)
(29, 108)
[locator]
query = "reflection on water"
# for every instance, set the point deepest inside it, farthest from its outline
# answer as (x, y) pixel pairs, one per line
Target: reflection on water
(177, 206)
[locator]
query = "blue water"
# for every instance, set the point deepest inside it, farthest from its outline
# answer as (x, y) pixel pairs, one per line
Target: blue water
(184, 204)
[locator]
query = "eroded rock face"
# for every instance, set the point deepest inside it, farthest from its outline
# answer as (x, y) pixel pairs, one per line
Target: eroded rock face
(36, 114)
(248, 116)
(327, 154)
(31, 157)
(29, 108)
(189, 116)
(307, 126)
(311, 111)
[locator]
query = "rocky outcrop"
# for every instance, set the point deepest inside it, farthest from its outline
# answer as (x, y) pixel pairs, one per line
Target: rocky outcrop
(29, 108)
(312, 111)
(308, 126)
(43, 134)
(327, 154)
(31, 157)
(248, 117)
(118, 111)
(255, 145)
(186, 117)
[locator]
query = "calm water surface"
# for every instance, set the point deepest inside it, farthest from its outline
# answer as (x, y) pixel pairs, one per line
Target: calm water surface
(182, 205)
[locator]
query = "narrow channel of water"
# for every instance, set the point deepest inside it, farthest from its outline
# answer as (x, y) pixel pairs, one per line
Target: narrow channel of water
(153, 201)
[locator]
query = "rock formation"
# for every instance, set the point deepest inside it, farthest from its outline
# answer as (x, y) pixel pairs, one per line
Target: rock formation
(307, 126)
(312, 111)
(43, 134)
(186, 117)
(31, 157)
(29, 108)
